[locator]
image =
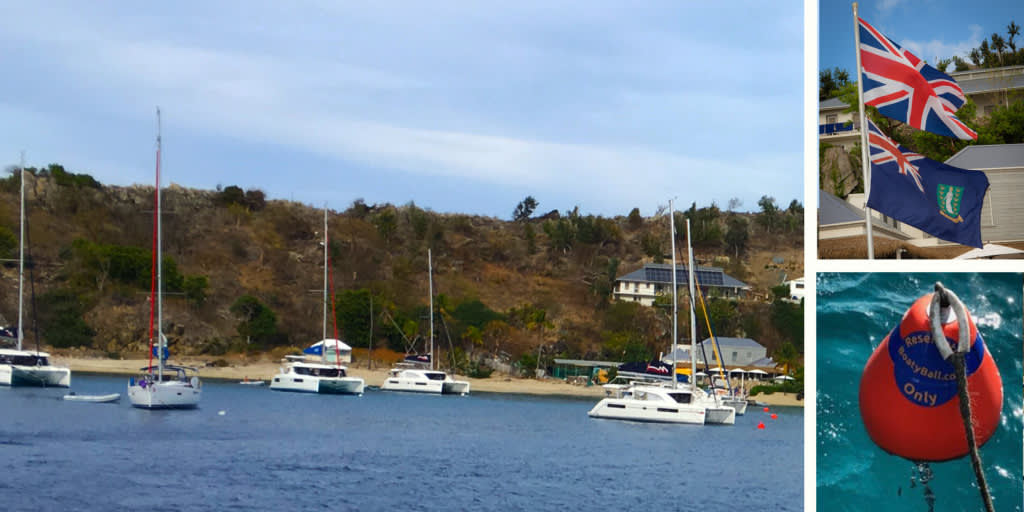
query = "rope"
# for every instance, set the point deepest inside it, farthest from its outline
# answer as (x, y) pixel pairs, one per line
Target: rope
(941, 300)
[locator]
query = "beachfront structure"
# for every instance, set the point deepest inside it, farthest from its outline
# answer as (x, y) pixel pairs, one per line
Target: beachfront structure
(645, 284)
(735, 352)
(568, 369)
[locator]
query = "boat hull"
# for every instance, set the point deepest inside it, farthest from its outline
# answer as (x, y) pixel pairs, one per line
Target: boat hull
(35, 376)
(164, 395)
(737, 403)
(640, 410)
(720, 416)
(113, 397)
(323, 385)
(413, 385)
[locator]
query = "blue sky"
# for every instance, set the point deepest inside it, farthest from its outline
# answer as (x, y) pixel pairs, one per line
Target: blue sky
(931, 29)
(458, 106)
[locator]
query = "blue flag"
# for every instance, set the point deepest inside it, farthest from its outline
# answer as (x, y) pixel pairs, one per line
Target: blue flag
(939, 199)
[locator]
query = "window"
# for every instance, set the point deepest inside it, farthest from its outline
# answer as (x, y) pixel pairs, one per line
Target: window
(636, 287)
(799, 286)
(831, 118)
(989, 109)
(735, 355)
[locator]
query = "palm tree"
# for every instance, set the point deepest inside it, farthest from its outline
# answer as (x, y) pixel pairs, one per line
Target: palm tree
(998, 44)
(1013, 30)
(975, 57)
(785, 356)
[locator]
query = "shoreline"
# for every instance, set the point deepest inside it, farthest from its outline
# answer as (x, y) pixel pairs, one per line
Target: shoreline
(263, 370)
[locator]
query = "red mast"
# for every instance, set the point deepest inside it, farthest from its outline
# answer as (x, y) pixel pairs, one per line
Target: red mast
(156, 210)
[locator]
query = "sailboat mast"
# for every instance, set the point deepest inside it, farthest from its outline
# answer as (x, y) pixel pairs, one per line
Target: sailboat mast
(675, 307)
(693, 312)
(159, 262)
(323, 348)
(21, 254)
(430, 285)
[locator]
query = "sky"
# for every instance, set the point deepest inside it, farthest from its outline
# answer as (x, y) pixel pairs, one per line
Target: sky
(458, 106)
(930, 29)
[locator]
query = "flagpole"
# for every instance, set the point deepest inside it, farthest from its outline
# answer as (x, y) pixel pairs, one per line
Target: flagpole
(865, 164)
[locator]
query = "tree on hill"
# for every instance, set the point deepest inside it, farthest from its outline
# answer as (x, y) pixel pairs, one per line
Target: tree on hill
(524, 209)
(257, 322)
(738, 236)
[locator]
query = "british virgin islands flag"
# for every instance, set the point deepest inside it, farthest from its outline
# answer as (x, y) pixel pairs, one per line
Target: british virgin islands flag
(939, 199)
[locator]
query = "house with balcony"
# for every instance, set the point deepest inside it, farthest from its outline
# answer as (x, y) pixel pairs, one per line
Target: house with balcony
(645, 284)
(835, 127)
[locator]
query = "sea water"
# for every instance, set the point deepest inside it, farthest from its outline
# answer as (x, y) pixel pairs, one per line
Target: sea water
(250, 448)
(855, 312)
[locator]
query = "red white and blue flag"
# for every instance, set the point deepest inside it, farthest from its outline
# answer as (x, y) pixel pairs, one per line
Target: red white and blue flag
(884, 150)
(902, 87)
(939, 199)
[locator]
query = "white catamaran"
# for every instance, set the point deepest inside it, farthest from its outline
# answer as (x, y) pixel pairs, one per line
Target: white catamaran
(162, 386)
(667, 402)
(302, 375)
(27, 367)
(417, 373)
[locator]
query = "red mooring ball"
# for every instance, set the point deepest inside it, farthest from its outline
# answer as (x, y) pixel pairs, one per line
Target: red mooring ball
(908, 392)
(760, 426)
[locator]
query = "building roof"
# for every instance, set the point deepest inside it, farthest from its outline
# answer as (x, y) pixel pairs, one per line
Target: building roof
(764, 362)
(989, 156)
(588, 364)
(831, 103)
(662, 273)
(734, 342)
(978, 81)
(832, 210)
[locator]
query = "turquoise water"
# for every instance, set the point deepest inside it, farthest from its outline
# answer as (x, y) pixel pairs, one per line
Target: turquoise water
(382, 451)
(854, 314)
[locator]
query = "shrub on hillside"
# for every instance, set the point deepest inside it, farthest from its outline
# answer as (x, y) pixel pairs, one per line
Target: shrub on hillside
(60, 319)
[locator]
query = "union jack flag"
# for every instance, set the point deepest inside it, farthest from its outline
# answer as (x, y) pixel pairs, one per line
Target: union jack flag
(902, 87)
(884, 150)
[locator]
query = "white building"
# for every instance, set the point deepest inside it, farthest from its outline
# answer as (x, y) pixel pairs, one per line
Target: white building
(645, 284)
(796, 289)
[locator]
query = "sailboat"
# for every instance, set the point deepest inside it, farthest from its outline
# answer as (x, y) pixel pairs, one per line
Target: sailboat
(162, 386)
(25, 367)
(305, 376)
(667, 402)
(417, 373)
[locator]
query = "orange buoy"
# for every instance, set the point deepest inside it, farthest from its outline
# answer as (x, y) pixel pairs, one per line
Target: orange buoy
(908, 391)
(760, 426)
(775, 416)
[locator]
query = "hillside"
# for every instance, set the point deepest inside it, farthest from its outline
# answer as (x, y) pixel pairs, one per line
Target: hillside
(244, 274)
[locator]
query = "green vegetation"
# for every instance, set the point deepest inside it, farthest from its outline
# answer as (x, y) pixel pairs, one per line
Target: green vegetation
(257, 323)
(60, 319)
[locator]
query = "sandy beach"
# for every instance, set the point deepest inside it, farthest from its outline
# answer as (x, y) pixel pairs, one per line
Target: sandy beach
(265, 370)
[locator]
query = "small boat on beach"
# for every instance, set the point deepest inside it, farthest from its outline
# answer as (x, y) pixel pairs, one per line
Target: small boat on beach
(100, 399)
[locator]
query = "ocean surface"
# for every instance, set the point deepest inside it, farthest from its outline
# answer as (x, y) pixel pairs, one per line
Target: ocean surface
(382, 451)
(854, 313)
